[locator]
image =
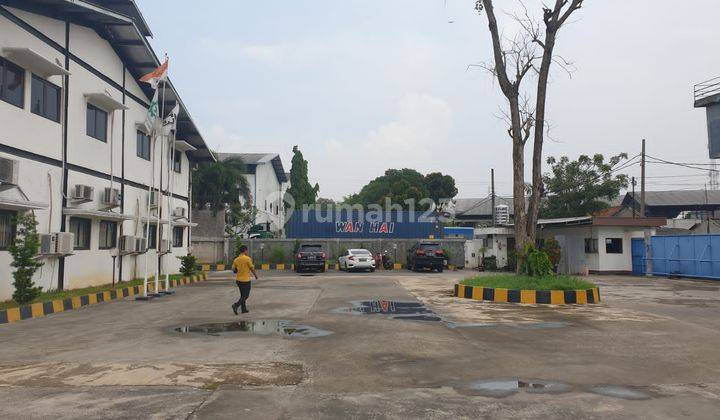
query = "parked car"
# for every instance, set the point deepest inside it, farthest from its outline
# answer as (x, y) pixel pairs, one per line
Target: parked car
(424, 255)
(356, 259)
(310, 257)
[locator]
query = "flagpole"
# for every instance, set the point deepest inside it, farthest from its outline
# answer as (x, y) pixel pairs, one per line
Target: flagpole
(153, 141)
(171, 187)
(159, 211)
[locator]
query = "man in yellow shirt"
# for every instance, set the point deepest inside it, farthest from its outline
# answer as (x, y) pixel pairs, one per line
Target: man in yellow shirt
(243, 267)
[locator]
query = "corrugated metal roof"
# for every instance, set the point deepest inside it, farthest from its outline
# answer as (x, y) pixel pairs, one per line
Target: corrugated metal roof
(481, 206)
(676, 198)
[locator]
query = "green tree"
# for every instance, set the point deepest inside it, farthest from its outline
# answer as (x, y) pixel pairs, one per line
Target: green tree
(440, 186)
(583, 186)
(397, 185)
(24, 252)
(219, 184)
(239, 218)
(300, 189)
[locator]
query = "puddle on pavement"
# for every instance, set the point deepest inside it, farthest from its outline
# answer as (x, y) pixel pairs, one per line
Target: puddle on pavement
(257, 327)
(405, 310)
(523, 325)
(619, 392)
(500, 388)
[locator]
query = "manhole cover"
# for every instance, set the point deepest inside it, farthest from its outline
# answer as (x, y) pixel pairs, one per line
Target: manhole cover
(407, 310)
(257, 327)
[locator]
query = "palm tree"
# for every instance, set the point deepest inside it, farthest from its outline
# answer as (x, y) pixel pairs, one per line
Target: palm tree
(216, 185)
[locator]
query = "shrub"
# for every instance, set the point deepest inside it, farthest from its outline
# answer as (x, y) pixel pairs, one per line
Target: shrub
(24, 252)
(188, 265)
(511, 260)
(490, 263)
(552, 249)
(535, 262)
(447, 253)
(277, 255)
(296, 246)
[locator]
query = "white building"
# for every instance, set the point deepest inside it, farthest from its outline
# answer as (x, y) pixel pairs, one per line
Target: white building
(268, 184)
(71, 112)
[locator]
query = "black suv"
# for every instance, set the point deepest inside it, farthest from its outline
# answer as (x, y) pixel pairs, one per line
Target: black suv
(426, 255)
(310, 257)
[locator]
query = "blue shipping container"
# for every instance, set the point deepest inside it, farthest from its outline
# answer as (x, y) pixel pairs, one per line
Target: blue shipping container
(369, 224)
(457, 232)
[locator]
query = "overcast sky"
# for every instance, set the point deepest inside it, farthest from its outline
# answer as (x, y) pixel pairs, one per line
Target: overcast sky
(366, 85)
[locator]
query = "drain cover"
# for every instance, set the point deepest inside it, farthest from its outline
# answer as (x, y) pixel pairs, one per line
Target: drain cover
(407, 310)
(257, 327)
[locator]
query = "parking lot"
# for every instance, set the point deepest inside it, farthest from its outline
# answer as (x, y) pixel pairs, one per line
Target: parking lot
(371, 345)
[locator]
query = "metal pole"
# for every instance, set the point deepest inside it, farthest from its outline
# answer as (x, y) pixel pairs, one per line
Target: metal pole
(642, 181)
(158, 238)
(633, 196)
(492, 194)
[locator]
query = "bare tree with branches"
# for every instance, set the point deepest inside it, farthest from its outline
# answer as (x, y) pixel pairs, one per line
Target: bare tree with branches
(529, 51)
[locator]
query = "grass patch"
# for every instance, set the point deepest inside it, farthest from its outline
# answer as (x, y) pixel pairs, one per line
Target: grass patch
(65, 294)
(515, 282)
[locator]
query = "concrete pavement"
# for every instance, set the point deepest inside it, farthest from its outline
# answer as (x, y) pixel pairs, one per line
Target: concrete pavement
(655, 339)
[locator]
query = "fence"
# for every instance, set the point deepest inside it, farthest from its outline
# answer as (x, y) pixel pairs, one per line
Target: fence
(682, 255)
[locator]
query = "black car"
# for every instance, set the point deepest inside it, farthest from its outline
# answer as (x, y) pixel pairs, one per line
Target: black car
(426, 255)
(310, 257)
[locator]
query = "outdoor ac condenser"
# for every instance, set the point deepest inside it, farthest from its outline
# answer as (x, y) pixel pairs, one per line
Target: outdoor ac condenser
(111, 197)
(83, 193)
(128, 244)
(165, 246)
(9, 170)
(62, 243)
(140, 245)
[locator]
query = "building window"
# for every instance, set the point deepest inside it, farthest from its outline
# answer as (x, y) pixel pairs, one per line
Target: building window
(96, 123)
(108, 234)
(591, 246)
(45, 99)
(178, 236)
(7, 229)
(143, 145)
(81, 228)
(152, 240)
(12, 83)
(613, 246)
(177, 162)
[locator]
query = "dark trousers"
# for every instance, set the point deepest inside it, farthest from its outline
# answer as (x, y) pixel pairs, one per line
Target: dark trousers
(244, 287)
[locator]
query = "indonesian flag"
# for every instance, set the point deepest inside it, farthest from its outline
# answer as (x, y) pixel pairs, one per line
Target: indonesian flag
(157, 75)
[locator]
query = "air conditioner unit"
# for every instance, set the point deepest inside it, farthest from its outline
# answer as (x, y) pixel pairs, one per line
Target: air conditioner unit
(179, 213)
(128, 244)
(83, 193)
(141, 245)
(9, 170)
(154, 199)
(165, 246)
(111, 197)
(62, 243)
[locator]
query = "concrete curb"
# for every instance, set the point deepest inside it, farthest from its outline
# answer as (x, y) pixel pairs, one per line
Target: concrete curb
(544, 297)
(39, 310)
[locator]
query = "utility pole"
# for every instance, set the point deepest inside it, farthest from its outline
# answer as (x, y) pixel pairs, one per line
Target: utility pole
(633, 182)
(492, 194)
(642, 181)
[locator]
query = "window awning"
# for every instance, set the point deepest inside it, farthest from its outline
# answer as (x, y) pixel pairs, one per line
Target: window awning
(20, 205)
(183, 146)
(105, 101)
(180, 223)
(29, 59)
(97, 214)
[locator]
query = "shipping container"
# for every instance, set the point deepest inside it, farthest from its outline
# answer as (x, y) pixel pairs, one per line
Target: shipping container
(459, 232)
(363, 224)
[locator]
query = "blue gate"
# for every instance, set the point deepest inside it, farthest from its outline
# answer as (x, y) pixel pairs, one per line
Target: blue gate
(638, 256)
(685, 255)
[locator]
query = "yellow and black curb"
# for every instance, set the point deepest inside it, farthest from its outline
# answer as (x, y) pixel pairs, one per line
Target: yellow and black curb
(38, 310)
(546, 297)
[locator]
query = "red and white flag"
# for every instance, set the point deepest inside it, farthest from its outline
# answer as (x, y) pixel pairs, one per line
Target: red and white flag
(157, 75)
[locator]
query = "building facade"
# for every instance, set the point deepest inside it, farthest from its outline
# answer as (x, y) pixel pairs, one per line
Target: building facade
(73, 149)
(268, 183)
